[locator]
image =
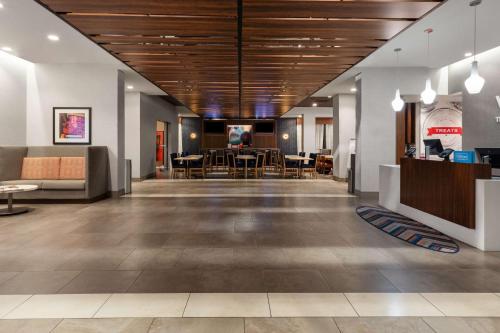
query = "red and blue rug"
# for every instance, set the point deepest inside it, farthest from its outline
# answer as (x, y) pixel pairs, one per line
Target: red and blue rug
(406, 229)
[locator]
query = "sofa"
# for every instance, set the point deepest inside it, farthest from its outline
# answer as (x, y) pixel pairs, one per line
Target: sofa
(61, 172)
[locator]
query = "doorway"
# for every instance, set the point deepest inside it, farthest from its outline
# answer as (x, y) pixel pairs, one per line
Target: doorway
(161, 149)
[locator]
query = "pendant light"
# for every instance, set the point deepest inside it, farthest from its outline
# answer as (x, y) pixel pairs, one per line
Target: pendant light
(397, 102)
(428, 95)
(475, 82)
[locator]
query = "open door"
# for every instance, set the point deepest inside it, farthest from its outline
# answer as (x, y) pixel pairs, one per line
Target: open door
(161, 146)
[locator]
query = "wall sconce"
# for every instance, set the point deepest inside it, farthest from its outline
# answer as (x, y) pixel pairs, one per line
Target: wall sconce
(285, 136)
(193, 135)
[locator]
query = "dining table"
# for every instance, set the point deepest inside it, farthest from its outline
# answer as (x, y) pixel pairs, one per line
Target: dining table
(246, 158)
(188, 159)
(298, 158)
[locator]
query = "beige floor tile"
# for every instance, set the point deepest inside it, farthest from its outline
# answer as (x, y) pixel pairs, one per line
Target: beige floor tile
(466, 304)
(197, 325)
(290, 325)
(143, 305)
(392, 305)
(464, 325)
(116, 325)
(227, 305)
(9, 302)
(28, 325)
(59, 306)
(310, 305)
(382, 325)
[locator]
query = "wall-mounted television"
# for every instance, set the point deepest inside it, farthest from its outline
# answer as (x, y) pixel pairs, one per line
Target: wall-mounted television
(214, 127)
(264, 127)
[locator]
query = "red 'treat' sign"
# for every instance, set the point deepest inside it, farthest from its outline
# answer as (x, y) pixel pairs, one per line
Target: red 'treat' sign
(444, 131)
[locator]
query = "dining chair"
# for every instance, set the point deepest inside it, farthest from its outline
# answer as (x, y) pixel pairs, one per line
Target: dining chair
(232, 167)
(310, 168)
(288, 167)
(199, 167)
(177, 167)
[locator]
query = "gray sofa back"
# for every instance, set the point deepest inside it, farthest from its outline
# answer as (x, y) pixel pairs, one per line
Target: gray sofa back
(11, 162)
(57, 151)
(97, 172)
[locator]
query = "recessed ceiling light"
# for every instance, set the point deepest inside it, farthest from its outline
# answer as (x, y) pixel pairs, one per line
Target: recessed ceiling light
(315, 104)
(329, 96)
(354, 89)
(54, 38)
(130, 87)
(468, 54)
(6, 49)
(1, 5)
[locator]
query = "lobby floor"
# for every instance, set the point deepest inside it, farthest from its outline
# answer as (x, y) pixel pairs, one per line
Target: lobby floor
(225, 236)
(255, 325)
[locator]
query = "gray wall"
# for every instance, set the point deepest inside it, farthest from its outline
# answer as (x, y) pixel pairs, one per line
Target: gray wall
(191, 125)
(155, 108)
(142, 112)
(13, 73)
(289, 126)
(479, 111)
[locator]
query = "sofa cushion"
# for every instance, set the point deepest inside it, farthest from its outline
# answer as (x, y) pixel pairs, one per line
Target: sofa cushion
(40, 168)
(37, 182)
(68, 185)
(72, 168)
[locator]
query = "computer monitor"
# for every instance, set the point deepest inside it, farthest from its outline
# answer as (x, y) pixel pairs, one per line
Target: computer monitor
(435, 146)
(493, 156)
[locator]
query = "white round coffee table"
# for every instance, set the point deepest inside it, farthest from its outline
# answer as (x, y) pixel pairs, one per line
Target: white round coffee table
(10, 190)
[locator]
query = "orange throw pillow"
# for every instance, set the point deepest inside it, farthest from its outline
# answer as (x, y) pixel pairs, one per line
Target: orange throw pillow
(72, 168)
(40, 168)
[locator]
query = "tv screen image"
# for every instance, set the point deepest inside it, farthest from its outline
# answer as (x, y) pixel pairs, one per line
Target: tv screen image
(240, 134)
(214, 127)
(264, 127)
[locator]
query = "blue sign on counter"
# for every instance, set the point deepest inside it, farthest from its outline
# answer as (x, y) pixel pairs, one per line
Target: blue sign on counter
(464, 157)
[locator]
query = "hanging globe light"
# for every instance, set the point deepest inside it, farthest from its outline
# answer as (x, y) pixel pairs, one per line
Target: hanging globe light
(428, 95)
(474, 83)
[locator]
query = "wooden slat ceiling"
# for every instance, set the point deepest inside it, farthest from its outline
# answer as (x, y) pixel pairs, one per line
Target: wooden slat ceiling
(287, 49)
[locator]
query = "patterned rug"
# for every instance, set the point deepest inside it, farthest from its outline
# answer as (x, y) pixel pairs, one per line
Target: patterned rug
(407, 229)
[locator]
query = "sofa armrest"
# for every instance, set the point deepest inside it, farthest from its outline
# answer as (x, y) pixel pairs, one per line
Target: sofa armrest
(11, 162)
(96, 171)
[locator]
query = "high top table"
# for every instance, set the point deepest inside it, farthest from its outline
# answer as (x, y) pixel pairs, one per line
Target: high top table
(246, 158)
(10, 190)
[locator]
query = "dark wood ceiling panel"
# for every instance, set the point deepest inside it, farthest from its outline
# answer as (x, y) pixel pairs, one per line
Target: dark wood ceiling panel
(152, 7)
(410, 10)
(240, 58)
(152, 25)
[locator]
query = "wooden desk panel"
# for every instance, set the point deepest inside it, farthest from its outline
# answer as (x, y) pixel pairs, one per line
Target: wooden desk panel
(443, 189)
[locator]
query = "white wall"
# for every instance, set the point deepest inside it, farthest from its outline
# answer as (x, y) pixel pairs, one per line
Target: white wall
(376, 121)
(13, 75)
(309, 117)
(84, 85)
(344, 129)
(141, 114)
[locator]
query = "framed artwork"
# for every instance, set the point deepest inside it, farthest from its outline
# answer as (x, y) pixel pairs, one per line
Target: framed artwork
(72, 126)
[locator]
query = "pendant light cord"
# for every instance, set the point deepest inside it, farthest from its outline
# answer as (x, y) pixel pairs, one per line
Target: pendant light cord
(475, 32)
(428, 49)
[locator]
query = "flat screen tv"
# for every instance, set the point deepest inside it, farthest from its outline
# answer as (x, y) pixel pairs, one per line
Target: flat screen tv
(264, 127)
(214, 127)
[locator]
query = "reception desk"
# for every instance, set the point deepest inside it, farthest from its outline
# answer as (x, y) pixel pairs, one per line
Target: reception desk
(450, 197)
